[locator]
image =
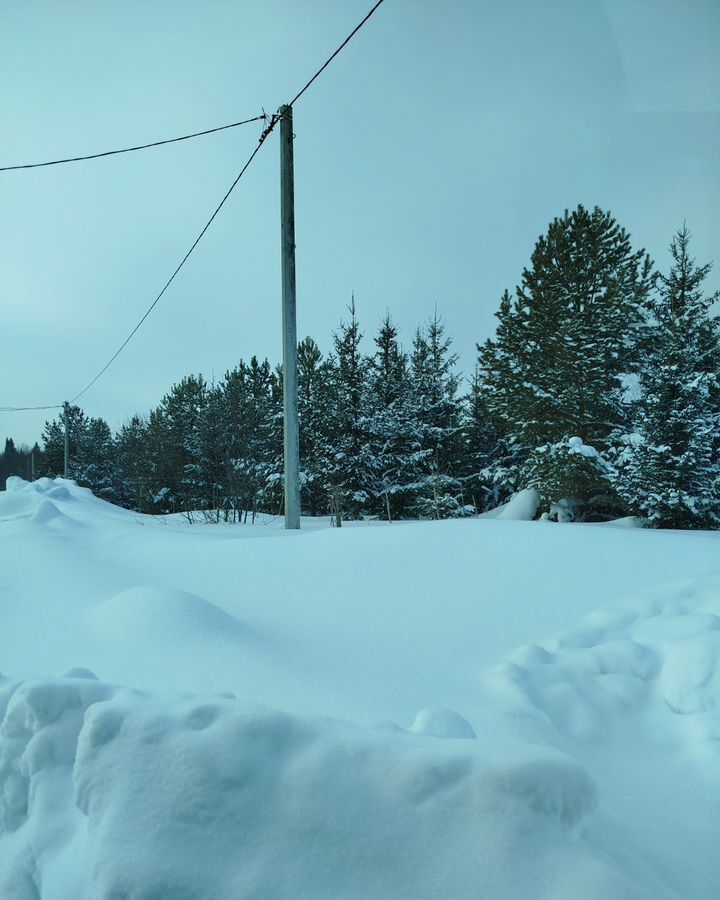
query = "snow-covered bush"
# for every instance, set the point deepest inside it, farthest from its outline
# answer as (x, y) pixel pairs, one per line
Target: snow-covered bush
(574, 481)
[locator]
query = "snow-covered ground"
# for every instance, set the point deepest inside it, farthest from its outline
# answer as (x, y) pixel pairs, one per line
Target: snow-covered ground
(481, 708)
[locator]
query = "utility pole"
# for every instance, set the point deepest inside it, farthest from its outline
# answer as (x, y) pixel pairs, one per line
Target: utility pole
(66, 407)
(32, 464)
(289, 321)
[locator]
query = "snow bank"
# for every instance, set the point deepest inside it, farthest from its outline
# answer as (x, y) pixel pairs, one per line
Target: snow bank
(584, 766)
(134, 796)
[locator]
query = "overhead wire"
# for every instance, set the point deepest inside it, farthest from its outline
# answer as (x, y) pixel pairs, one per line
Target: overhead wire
(185, 258)
(331, 58)
(175, 140)
(271, 122)
(25, 408)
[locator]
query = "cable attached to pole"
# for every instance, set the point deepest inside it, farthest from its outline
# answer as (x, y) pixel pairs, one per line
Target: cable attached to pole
(272, 123)
(175, 140)
(331, 58)
(26, 408)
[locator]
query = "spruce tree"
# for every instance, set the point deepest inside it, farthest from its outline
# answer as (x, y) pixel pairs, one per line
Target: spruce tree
(314, 399)
(480, 446)
(345, 424)
(94, 464)
(392, 450)
(437, 416)
(669, 471)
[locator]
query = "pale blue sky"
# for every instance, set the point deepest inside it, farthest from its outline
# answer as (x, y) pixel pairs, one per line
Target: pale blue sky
(429, 157)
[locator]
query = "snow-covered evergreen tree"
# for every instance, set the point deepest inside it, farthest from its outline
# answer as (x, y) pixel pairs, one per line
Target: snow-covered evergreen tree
(344, 430)
(392, 454)
(249, 396)
(480, 448)
(92, 460)
(315, 377)
(133, 470)
(437, 416)
(669, 469)
(555, 367)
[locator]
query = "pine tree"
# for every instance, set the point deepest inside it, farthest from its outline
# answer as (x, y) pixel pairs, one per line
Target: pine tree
(233, 398)
(133, 465)
(182, 410)
(554, 370)
(670, 467)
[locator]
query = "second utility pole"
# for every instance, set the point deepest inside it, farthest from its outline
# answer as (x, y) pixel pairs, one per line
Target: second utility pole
(66, 455)
(289, 322)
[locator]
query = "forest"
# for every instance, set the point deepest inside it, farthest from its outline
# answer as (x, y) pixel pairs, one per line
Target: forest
(600, 390)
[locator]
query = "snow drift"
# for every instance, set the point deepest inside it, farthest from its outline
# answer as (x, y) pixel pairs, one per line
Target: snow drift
(374, 744)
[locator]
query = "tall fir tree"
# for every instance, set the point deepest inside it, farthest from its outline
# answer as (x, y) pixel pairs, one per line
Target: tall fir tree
(669, 471)
(345, 423)
(315, 375)
(437, 415)
(391, 452)
(481, 446)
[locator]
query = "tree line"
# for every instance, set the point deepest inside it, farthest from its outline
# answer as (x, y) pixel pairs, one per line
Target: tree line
(600, 390)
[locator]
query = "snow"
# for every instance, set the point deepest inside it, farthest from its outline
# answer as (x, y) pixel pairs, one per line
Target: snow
(356, 712)
(521, 507)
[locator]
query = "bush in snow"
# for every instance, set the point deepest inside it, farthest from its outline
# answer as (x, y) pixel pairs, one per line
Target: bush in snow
(573, 480)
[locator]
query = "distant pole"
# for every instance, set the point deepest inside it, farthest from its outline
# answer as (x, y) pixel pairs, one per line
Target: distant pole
(289, 322)
(32, 464)
(66, 407)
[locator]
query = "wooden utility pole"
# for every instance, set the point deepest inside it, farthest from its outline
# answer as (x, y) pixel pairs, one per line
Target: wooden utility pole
(32, 464)
(66, 470)
(289, 322)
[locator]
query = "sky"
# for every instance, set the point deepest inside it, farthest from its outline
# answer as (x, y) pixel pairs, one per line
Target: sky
(429, 157)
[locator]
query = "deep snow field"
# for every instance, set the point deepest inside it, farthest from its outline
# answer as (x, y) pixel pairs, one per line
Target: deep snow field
(482, 708)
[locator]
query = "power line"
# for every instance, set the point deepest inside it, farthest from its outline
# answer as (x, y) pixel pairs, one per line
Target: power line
(24, 408)
(184, 137)
(272, 123)
(331, 58)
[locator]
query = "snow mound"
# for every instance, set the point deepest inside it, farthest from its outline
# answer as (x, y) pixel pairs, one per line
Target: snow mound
(135, 796)
(46, 513)
(14, 483)
(29, 500)
(165, 616)
(442, 723)
(36, 501)
(521, 507)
